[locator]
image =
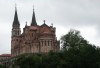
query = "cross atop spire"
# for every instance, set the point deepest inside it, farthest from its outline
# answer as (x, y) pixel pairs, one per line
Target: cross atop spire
(26, 24)
(15, 7)
(33, 23)
(33, 7)
(44, 21)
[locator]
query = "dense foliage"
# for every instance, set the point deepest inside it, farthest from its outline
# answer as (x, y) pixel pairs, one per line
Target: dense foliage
(76, 52)
(1, 66)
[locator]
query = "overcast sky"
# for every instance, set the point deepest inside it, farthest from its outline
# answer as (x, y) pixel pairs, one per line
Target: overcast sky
(82, 15)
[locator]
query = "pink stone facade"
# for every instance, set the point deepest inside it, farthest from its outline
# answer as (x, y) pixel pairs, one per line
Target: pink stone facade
(34, 39)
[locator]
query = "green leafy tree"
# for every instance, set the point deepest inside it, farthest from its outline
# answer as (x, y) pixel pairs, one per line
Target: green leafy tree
(79, 52)
(72, 39)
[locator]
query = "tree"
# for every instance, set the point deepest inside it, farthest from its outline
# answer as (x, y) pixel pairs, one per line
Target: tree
(72, 39)
(79, 52)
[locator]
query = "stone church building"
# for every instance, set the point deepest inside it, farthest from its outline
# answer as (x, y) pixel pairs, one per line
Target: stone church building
(34, 38)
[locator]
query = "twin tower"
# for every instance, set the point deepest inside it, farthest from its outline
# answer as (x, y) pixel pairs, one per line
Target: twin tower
(16, 31)
(34, 39)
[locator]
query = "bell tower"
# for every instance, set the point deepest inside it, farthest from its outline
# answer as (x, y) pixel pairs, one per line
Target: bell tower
(16, 31)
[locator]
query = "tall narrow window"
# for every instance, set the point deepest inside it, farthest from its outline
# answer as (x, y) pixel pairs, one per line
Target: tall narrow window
(42, 43)
(45, 42)
(51, 43)
(48, 43)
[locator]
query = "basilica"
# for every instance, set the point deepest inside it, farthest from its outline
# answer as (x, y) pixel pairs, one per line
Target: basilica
(34, 38)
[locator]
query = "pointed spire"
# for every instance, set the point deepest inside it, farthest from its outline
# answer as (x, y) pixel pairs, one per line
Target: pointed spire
(33, 23)
(16, 21)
